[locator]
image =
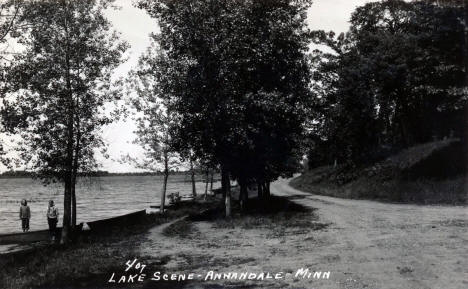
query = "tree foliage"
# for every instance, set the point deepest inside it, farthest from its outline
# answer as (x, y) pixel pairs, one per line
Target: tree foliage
(396, 78)
(236, 77)
(59, 86)
(153, 118)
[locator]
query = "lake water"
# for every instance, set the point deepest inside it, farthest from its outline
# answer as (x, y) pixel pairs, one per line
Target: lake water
(97, 197)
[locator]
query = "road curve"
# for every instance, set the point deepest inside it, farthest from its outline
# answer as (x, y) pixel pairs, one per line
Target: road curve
(383, 245)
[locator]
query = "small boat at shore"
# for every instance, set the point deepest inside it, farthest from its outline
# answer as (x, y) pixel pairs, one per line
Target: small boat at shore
(97, 226)
(94, 226)
(119, 221)
(25, 238)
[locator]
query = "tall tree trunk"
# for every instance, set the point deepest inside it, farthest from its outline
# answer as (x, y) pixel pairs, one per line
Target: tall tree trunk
(73, 207)
(227, 200)
(74, 177)
(404, 131)
(206, 183)
(67, 202)
(465, 50)
(465, 56)
(223, 183)
(266, 190)
(260, 190)
(243, 195)
(192, 173)
(163, 193)
(66, 211)
(164, 188)
(76, 155)
(69, 151)
(227, 191)
(211, 182)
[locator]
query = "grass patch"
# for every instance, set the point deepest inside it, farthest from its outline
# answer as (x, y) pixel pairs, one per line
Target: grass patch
(278, 215)
(83, 265)
(181, 229)
(197, 261)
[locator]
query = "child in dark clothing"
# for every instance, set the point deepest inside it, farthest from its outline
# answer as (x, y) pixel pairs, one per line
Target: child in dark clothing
(25, 215)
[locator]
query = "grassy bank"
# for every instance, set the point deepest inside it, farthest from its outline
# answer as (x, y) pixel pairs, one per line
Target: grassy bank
(432, 173)
(423, 191)
(87, 262)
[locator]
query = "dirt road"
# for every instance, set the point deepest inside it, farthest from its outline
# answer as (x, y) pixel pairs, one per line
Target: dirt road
(380, 245)
(365, 245)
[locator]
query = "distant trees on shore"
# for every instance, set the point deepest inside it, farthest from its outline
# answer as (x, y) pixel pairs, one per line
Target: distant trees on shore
(198, 173)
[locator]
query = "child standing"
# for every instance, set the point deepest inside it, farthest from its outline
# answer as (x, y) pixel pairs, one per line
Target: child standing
(52, 218)
(25, 215)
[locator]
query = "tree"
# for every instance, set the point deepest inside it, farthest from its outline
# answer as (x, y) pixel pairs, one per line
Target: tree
(208, 170)
(392, 81)
(192, 176)
(59, 86)
(12, 14)
(153, 119)
(9, 14)
(237, 77)
(14, 20)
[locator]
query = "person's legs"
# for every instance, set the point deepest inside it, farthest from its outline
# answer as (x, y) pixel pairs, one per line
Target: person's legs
(27, 224)
(54, 227)
(23, 224)
(51, 227)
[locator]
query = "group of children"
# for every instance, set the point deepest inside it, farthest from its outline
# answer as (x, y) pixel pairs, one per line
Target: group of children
(52, 217)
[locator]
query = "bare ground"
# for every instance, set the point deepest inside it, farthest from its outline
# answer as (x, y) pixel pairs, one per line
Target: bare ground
(364, 244)
(367, 245)
(382, 245)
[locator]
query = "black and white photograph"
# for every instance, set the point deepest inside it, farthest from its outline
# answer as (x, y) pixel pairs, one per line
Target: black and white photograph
(210, 144)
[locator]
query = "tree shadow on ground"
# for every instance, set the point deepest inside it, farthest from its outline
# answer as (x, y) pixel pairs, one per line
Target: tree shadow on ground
(255, 207)
(276, 213)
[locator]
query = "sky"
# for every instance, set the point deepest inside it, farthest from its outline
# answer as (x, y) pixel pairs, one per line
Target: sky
(135, 26)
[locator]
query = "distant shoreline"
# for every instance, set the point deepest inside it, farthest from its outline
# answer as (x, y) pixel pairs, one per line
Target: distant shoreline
(23, 174)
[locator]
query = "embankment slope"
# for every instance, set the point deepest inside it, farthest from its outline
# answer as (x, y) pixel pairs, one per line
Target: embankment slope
(431, 173)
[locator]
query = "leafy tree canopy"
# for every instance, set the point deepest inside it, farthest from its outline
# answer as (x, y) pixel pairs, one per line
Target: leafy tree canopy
(237, 78)
(59, 85)
(395, 79)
